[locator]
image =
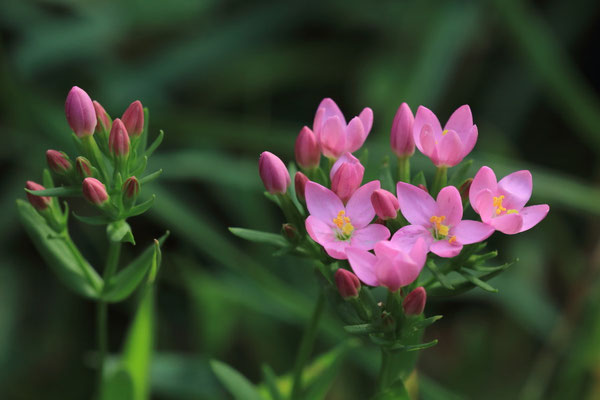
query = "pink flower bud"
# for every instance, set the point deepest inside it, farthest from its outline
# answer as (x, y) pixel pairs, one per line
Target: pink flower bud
(131, 188)
(118, 140)
(94, 191)
(80, 113)
(290, 232)
(464, 189)
(40, 203)
(347, 283)
(308, 153)
(414, 302)
(423, 187)
(273, 173)
(346, 176)
(385, 204)
(58, 162)
(103, 119)
(133, 118)
(401, 139)
(300, 184)
(83, 167)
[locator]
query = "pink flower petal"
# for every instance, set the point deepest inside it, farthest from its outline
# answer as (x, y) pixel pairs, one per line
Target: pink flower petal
(333, 138)
(359, 208)
(428, 143)
(444, 248)
(424, 116)
(322, 203)
(460, 121)
(318, 123)
(469, 140)
(367, 237)
(450, 205)
(406, 238)
(484, 179)
(363, 265)
(419, 252)
(319, 231)
(416, 205)
(337, 249)
(517, 188)
(331, 110)
(468, 232)
(345, 158)
(366, 116)
(355, 135)
(532, 215)
(508, 223)
(450, 150)
(485, 205)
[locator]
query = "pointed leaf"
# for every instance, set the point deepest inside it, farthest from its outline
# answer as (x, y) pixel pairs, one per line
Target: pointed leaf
(149, 178)
(385, 176)
(361, 329)
(239, 387)
(438, 275)
(119, 231)
(117, 386)
(478, 282)
(93, 220)
(141, 208)
(260, 237)
(419, 179)
(424, 323)
(58, 191)
(462, 284)
(270, 380)
(460, 173)
(155, 144)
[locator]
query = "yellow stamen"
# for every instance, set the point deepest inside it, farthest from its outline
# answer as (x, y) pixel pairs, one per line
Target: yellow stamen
(343, 223)
(440, 229)
(513, 211)
(443, 230)
(444, 132)
(497, 202)
(452, 239)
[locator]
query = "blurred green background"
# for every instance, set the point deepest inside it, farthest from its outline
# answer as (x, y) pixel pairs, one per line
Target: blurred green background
(227, 80)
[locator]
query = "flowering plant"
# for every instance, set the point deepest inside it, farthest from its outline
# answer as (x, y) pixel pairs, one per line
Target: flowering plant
(112, 155)
(402, 232)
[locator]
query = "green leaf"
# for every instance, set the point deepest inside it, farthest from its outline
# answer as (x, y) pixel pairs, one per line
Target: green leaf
(478, 282)
(361, 329)
(58, 191)
(119, 231)
(463, 284)
(460, 173)
(122, 284)
(419, 179)
(260, 237)
(424, 323)
(320, 374)
(364, 156)
(60, 254)
(150, 177)
(93, 220)
(385, 175)
(141, 208)
(155, 144)
(270, 380)
(438, 275)
(396, 391)
(117, 386)
(239, 387)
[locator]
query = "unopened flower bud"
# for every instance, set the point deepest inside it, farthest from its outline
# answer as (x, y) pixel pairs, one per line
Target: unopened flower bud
(385, 204)
(347, 283)
(94, 191)
(464, 189)
(414, 302)
(133, 118)
(273, 173)
(423, 187)
(290, 232)
(300, 184)
(80, 113)
(118, 140)
(58, 162)
(103, 119)
(346, 176)
(83, 167)
(401, 139)
(307, 151)
(131, 190)
(40, 203)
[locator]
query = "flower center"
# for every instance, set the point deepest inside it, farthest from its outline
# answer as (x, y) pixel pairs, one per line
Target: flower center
(444, 132)
(497, 202)
(440, 231)
(344, 227)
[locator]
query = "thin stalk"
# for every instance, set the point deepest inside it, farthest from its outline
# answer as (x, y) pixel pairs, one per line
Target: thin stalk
(439, 181)
(306, 345)
(385, 376)
(404, 169)
(112, 260)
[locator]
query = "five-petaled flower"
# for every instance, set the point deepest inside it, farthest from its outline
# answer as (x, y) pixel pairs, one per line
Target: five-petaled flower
(502, 204)
(335, 226)
(439, 222)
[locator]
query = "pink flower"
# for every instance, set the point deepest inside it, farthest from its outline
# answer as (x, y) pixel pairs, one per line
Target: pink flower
(334, 136)
(346, 176)
(133, 118)
(273, 173)
(389, 266)
(80, 112)
(414, 302)
(307, 149)
(502, 204)
(58, 162)
(300, 181)
(94, 191)
(118, 139)
(347, 283)
(439, 222)
(39, 202)
(385, 204)
(401, 139)
(103, 119)
(337, 227)
(449, 146)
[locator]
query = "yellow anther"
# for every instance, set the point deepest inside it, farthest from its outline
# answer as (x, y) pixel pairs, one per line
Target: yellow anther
(497, 202)
(444, 132)
(513, 211)
(452, 239)
(340, 219)
(343, 223)
(443, 230)
(440, 229)
(347, 229)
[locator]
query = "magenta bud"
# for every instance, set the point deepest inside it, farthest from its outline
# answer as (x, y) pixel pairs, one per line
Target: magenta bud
(273, 173)
(385, 204)
(94, 191)
(58, 162)
(133, 118)
(401, 139)
(465, 188)
(131, 188)
(83, 167)
(102, 117)
(423, 187)
(414, 302)
(80, 113)
(346, 176)
(300, 184)
(307, 151)
(40, 203)
(347, 283)
(118, 139)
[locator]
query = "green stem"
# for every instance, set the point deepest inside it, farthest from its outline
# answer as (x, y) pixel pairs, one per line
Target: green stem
(404, 169)
(112, 260)
(93, 152)
(386, 377)
(306, 346)
(439, 181)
